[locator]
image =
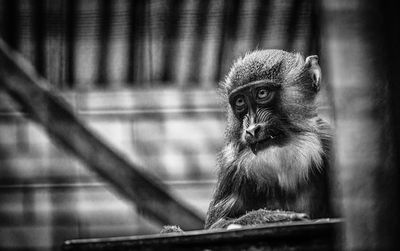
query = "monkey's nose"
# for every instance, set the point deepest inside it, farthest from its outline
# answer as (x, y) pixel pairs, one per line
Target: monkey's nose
(252, 131)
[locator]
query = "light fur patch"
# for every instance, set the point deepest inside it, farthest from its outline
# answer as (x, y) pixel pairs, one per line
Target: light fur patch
(288, 165)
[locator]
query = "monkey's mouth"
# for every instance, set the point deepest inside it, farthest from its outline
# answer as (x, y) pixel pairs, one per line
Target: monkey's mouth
(269, 140)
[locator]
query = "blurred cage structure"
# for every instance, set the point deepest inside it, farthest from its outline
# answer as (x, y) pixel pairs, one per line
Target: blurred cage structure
(143, 74)
(84, 44)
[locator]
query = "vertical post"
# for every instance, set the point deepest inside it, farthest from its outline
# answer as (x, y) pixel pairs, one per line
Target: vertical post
(105, 31)
(365, 99)
(39, 32)
(230, 22)
(71, 17)
(10, 27)
(171, 37)
(389, 178)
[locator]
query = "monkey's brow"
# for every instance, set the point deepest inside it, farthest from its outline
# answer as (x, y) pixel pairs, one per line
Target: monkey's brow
(269, 84)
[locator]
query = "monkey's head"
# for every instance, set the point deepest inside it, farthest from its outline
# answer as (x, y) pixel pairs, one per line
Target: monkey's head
(270, 96)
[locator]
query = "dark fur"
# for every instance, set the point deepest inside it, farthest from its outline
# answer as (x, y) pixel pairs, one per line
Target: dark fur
(243, 189)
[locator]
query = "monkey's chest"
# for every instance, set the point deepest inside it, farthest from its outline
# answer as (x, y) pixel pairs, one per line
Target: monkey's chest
(304, 200)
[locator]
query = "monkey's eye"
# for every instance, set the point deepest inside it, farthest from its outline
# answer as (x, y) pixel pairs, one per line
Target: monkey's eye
(240, 102)
(264, 96)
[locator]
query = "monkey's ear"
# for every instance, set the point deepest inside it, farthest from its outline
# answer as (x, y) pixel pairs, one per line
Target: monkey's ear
(314, 71)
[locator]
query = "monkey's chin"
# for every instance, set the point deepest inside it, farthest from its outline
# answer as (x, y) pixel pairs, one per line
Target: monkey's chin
(260, 145)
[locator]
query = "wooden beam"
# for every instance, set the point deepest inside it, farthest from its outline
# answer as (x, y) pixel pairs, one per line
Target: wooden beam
(311, 235)
(43, 105)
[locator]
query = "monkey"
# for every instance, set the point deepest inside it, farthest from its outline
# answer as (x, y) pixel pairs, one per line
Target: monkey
(274, 165)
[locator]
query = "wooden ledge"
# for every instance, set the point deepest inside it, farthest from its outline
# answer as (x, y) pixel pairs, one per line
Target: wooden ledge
(311, 235)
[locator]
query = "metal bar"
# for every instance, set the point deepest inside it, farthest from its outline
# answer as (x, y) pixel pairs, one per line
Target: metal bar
(21, 82)
(70, 37)
(228, 36)
(105, 33)
(11, 26)
(39, 32)
(172, 17)
(197, 51)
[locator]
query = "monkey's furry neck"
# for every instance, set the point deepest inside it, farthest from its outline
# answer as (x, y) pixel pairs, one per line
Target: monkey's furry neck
(287, 166)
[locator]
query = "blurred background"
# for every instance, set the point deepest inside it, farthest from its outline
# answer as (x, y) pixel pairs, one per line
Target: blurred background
(142, 76)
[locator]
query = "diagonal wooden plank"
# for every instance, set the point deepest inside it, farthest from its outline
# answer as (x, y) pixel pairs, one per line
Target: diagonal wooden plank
(43, 105)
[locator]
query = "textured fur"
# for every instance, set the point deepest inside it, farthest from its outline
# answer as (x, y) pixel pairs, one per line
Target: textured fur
(290, 174)
(287, 165)
(261, 216)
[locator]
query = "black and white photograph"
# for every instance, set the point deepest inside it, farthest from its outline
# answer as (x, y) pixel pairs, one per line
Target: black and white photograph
(200, 125)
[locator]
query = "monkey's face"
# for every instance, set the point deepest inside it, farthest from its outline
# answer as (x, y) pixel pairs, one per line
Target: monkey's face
(254, 105)
(271, 95)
